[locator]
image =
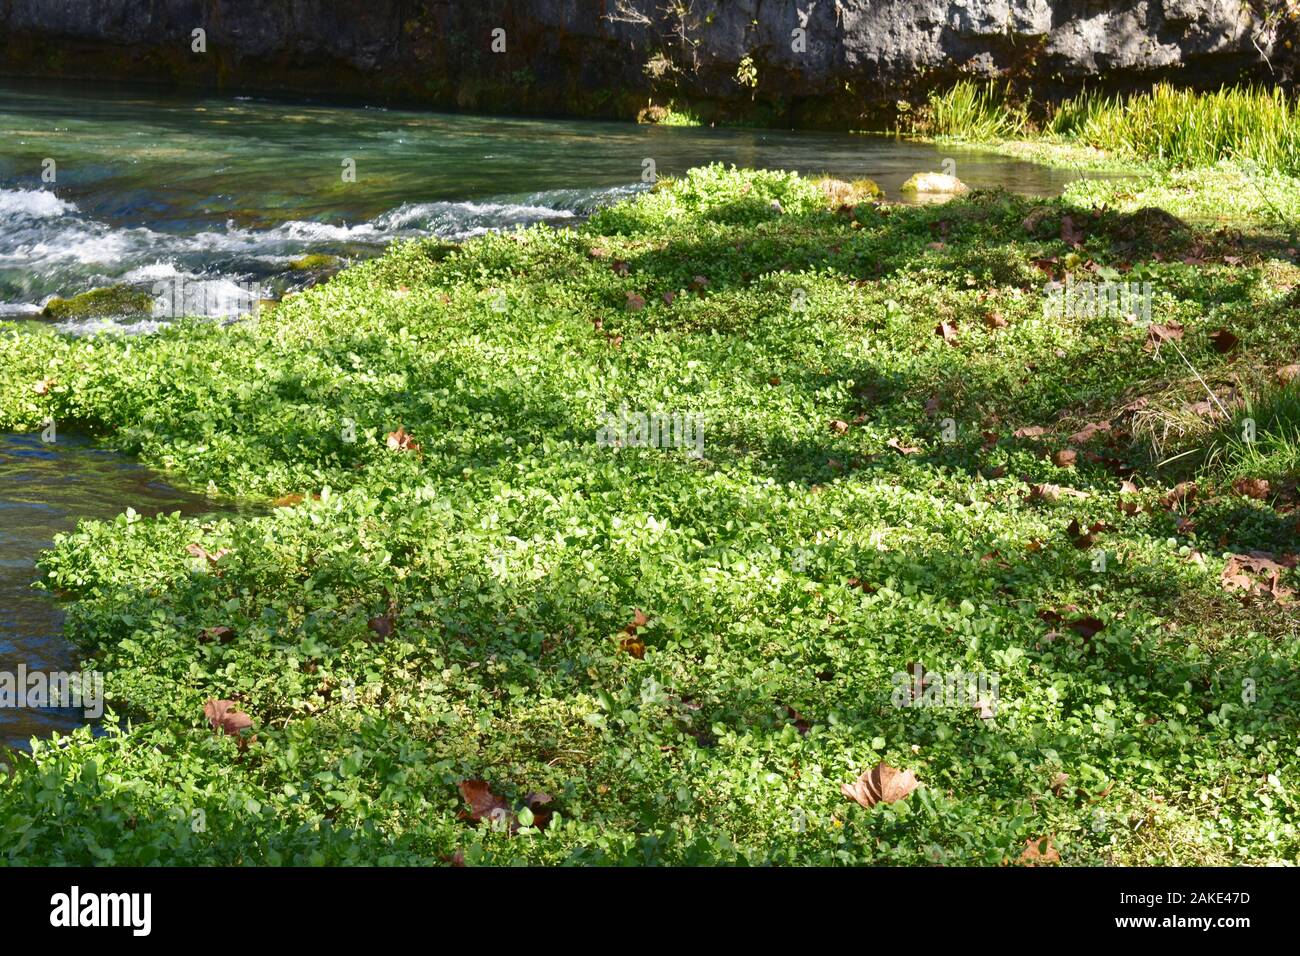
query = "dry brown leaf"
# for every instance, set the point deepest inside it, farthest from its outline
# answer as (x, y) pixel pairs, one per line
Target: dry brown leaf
(1050, 492)
(224, 716)
(197, 551)
(483, 803)
(1181, 493)
(1086, 433)
(899, 447)
(1065, 458)
(1157, 334)
(1128, 507)
(219, 633)
(1086, 627)
(883, 784)
(1084, 538)
(1223, 341)
(948, 331)
(1257, 488)
(401, 440)
(1039, 852)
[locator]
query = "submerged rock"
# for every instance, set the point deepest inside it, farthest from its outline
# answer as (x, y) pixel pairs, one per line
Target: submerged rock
(316, 262)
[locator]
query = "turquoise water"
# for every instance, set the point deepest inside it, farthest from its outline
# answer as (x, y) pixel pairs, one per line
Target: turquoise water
(224, 192)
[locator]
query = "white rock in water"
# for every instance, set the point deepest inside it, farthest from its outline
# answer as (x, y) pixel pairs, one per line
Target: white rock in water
(935, 183)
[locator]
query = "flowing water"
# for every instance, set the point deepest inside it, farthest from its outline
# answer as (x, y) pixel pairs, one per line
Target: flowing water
(103, 186)
(44, 488)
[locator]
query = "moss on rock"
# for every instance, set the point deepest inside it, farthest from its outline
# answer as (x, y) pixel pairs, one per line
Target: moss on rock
(316, 261)
(115, 300)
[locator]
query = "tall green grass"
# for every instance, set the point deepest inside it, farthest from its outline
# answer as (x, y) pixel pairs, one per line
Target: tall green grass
(1167, 125)
(1271, 449)
(1186, 128)
(973, 111)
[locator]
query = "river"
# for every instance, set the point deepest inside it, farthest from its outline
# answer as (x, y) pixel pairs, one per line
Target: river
(102, 186)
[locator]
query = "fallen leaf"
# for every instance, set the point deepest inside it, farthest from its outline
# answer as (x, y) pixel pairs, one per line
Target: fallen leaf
(223, 716)
(1029, 431)
(1128, 507)
(635, 303)
(839, 427)
(1050, 492)
(1039, 852)
(995, 320)
(1086, 433)
(1047, 266)
(401, 440)
(1257, 488)
(43, 386)
(219, 633)
(1084, 538)
(1086, 627)
(1065, 458)
(883, 784)
(197, 551)
(948, 331)
(699, 284)
(483, 803)
(899, 447)
(1223, 340)
(1181, 493)
(1070, 233)
(1157, 334)
(382, 625)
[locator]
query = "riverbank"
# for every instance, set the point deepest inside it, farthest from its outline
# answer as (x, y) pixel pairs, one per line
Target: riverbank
(839, 66)
(482, 604)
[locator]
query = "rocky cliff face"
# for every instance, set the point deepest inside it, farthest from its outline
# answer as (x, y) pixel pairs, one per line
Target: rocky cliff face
(794, 62)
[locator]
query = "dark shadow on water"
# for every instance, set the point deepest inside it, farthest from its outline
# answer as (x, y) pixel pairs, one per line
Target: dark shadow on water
(45, 488)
